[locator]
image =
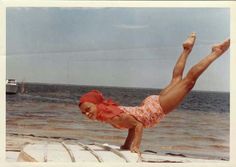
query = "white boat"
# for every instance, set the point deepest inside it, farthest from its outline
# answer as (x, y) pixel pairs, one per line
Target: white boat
(11, 86)
(64, 152)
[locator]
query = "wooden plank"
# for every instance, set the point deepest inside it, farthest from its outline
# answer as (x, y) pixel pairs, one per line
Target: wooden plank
(24, 157)
(69, 152)
(115, 151)
(57, 153)
(91, 151)
(32, 153)
(45, 153)
(80, 154)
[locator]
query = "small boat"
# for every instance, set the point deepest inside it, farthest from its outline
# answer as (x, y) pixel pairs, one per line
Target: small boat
(11, 86)
(95, 152)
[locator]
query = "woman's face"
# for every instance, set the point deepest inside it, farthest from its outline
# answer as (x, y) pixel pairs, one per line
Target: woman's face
(89, 109)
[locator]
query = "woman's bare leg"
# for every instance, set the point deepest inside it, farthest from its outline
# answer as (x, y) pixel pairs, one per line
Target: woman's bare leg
(176, 94)
(180, 64)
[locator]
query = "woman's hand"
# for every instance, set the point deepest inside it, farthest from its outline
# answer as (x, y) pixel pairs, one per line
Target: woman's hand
(135, 149)
(124, 147)
(135, 127)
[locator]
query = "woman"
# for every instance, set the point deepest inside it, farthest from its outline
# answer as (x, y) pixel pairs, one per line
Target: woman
(154, 107)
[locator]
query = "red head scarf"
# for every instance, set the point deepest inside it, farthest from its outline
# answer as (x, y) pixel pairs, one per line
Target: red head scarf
(106, 109)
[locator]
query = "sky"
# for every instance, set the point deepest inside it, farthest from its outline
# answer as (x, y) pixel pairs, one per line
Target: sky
(127, 47)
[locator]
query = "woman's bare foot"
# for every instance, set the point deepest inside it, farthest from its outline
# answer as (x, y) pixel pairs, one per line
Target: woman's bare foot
(188, 44)
(219, 49)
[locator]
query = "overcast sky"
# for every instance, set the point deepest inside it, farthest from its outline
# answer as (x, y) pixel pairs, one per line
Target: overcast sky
(130, 47)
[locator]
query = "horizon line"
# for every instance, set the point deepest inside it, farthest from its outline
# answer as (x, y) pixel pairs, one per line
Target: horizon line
(109, 86)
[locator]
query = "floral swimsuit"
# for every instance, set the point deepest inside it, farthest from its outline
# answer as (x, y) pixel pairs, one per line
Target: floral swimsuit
(149, 113)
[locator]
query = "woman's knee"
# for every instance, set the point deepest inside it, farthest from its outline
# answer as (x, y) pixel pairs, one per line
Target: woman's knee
(176, 80)
(189, 82)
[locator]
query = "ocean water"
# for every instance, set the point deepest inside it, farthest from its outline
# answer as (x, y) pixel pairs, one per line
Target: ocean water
(198, 128)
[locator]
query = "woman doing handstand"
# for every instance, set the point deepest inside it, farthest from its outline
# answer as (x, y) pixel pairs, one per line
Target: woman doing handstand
(154, 107)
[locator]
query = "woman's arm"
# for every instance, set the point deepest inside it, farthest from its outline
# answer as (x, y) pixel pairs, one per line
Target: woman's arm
(135, 135)
(129, 139)
(138, 132)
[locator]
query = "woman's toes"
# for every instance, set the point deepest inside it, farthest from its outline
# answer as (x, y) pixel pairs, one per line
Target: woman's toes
(221, 48)
(188, 44)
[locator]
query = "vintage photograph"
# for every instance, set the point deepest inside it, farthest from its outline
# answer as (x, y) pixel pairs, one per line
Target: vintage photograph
(117, 84)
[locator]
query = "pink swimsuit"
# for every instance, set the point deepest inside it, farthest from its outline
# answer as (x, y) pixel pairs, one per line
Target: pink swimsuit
(149, 113)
